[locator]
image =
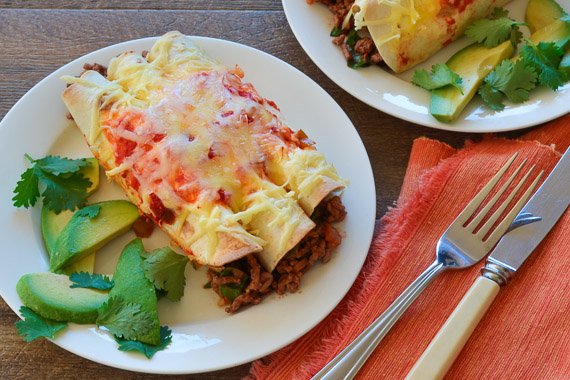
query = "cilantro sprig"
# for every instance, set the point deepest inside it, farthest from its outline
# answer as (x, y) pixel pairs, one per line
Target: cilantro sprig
(34, 326)
(545, 59)
(122, 319)
(165, 269)
(91, 281)
(59, 181)
(508, 79)
(538, 65)
(441, 75)
(147, 349)
(495, 30)
(90, 211)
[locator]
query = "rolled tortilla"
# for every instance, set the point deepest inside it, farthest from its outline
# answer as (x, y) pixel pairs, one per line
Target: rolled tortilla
(407, 32)
(186, 140)
(219, 241)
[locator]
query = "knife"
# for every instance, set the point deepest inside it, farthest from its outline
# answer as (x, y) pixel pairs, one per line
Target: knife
(530, 227)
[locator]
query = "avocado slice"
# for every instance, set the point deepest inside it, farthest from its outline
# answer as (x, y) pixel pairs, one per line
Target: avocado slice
(540, 13)
(132, 286)
(558, 32)
(52, 224)
(471, 63)
(49, 295)
(84, 234)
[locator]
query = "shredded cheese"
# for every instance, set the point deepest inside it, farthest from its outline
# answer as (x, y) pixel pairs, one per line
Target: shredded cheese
(180, 128)
(305, 170)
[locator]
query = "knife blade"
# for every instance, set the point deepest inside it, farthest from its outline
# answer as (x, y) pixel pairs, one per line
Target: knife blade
(548, 203)
(532, 225)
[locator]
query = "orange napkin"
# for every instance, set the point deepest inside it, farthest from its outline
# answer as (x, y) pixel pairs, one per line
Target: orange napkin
(526, 332)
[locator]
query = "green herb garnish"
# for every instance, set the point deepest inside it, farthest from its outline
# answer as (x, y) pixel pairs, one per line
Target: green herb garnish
(495, 30)
(125, 320)
(545, 59)
(34, 326)
(441, 75)
(513, 80)
(147, 349)
(62, 186)
(89, 211)
(165, 269)
(91, 281)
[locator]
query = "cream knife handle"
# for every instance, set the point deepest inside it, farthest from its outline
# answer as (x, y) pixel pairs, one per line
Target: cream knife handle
(449, 341)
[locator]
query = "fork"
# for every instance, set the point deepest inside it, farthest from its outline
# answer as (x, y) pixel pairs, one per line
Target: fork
(461, 246)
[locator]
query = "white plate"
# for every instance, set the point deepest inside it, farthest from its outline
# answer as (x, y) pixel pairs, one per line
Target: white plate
(395, 95)
(205, 337)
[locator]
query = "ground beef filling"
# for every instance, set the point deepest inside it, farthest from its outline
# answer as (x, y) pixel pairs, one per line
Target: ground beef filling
(358, 49)
(246, 282)
(95, 67)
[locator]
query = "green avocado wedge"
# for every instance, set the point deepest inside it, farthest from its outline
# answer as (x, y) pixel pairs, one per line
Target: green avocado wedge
(89, 229)
(49, 295)
(52, 224)
(471, 63)
(540, 13)
(558, 32)
(132, 286)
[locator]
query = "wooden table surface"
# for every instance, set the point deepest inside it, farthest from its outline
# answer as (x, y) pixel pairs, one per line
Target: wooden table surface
(39, 36)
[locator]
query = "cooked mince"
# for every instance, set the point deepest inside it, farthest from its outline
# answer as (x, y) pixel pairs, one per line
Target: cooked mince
(246, 282)
(358, 50)
(96, 67)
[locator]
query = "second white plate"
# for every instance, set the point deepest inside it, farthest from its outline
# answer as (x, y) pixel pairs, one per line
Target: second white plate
(395, 95)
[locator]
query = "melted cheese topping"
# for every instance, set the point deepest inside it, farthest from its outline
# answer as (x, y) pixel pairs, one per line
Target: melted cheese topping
(190, 138)
(393, 17)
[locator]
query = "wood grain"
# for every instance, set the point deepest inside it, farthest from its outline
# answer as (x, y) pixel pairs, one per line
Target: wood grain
(145, 4)
(35, 42)
(41, 45)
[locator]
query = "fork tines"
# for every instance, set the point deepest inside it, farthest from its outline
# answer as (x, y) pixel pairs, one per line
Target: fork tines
(502, 227)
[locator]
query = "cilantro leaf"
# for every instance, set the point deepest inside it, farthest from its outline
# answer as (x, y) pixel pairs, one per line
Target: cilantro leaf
(89, 211)
(492, 32)
(492, 97)
(441, 75)
(64, 193)
(123, 320)
(26, 191)
(34, 326)
(92, 281)
(60, 165)
(64, 187)
(545, 59)
(513, 80)
(522, 79)
(147, 349)
(165, 269)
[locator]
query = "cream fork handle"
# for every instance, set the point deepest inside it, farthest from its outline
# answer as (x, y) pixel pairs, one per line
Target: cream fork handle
(447, 344)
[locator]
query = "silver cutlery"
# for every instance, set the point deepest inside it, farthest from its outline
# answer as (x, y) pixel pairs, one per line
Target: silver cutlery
(535, 220)
(461, 245)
